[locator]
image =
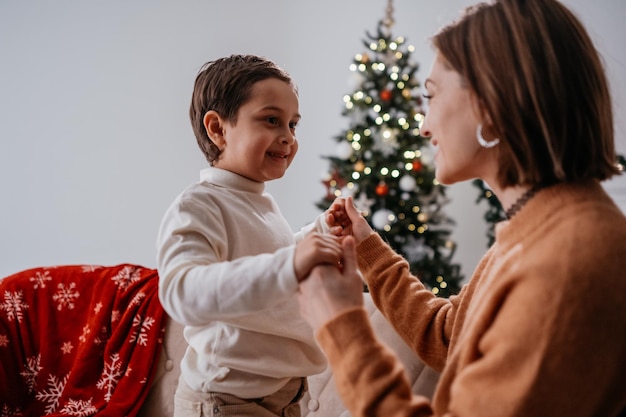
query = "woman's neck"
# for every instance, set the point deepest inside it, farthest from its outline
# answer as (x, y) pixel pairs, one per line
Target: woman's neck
(514, 198)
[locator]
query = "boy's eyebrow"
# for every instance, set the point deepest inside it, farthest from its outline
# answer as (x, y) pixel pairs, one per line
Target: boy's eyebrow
(276, 108)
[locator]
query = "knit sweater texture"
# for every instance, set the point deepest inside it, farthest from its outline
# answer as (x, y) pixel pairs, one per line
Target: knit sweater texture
(225, 261)
(539, 330)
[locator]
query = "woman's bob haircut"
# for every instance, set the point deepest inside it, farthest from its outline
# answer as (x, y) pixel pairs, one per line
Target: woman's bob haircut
(536, 73)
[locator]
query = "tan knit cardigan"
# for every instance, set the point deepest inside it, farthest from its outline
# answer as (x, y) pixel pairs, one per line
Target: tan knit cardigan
(539, 330)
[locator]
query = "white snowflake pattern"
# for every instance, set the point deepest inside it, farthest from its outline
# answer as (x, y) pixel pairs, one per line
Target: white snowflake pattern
(416, 249)
(67, 348)
(90, 268)
(386, 141)
(104, 336)
(52, 394)
(5, 411)
(40, 279)
(137, 298)
(31, 371)
(127, 276)
(363, 203)
(79, 408)
(139, 335)
(97, 308)
(4, 340)
(14, 305)
(110, 376)
(115, 316)
(86, 332)
(66, 295)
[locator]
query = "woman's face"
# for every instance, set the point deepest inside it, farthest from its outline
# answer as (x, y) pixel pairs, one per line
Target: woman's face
(451, 123)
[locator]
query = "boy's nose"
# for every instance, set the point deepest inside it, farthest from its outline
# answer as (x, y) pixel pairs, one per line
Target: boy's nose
(288, 138)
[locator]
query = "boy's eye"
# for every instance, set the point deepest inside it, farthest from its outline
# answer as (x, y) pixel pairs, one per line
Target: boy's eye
(427, 96)
(275, 121)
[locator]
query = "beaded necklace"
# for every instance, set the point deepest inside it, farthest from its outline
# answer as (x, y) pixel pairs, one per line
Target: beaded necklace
(517, 206)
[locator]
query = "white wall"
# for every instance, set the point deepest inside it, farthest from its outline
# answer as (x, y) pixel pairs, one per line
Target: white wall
(94, 136)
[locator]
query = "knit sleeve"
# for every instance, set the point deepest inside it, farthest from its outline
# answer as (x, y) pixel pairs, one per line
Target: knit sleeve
(370, 379)
(423, 320)
(319, 225)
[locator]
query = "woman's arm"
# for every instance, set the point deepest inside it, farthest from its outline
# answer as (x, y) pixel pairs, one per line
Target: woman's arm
(369, 377)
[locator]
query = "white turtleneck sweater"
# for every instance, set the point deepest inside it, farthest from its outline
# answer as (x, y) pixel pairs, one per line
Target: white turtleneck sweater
(225, 262)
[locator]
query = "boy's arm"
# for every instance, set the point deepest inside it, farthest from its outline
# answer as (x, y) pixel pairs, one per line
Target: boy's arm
(319, 225)
(198, 283)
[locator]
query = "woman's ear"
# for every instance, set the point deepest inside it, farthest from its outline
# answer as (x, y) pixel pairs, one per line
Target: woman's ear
(483, 117)
(214, 126)
(478, 108)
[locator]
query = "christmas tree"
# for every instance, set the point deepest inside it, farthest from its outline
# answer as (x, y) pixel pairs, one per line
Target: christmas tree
(387, 166)
(495, 212)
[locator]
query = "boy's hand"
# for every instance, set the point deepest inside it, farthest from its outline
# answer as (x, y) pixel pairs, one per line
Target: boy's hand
(315, 249)
(337, 218)
(328, 291)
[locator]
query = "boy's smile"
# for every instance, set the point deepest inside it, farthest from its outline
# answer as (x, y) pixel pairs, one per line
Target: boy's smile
(261, 144)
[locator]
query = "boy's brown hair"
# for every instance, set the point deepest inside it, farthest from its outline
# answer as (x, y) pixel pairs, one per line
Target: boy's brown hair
(224, 85)
(535, 71)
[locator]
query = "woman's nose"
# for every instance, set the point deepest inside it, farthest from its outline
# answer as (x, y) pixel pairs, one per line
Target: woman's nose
(425, 128)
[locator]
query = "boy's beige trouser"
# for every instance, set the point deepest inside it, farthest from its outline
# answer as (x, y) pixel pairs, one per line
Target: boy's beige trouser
(283, 403)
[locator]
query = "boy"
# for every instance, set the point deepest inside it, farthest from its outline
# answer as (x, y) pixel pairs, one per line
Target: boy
(228, 262)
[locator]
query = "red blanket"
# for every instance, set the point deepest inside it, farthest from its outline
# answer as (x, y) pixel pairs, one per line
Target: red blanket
(78, 340)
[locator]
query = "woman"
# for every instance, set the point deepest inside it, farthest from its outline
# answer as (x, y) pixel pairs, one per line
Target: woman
(518, 98)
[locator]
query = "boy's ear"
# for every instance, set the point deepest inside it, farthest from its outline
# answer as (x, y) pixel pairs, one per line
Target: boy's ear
(214, 126)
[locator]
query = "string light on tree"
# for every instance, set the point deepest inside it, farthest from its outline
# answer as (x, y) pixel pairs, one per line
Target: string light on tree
(384, 163)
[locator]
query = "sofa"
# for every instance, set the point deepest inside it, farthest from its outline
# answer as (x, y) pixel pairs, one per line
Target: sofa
(321, 399)
(89, 339)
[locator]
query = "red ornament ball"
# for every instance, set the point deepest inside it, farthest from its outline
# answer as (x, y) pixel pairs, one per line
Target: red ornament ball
(382, 189)
(417, 165)
(385, 95)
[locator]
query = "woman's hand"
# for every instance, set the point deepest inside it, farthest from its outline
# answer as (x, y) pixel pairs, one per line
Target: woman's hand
(329, 290)
(359, 226)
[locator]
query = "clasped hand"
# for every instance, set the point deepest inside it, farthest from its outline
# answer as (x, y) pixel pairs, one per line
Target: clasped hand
(331, 288)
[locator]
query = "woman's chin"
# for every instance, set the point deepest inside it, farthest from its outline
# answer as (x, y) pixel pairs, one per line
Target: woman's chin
(446, 178)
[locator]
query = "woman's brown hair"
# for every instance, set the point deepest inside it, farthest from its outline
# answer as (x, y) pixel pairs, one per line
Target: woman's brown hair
(537, 74)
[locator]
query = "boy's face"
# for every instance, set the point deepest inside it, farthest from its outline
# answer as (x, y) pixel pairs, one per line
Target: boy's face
(262, 144)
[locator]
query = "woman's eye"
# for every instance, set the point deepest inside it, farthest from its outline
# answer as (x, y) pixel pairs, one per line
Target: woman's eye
(272, 120)
(293, 125)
